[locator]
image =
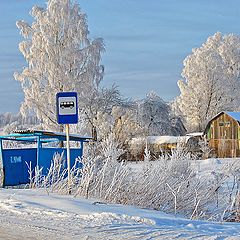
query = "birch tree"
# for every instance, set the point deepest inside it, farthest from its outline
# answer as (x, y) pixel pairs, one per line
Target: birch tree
(60, 56)
(211, 80)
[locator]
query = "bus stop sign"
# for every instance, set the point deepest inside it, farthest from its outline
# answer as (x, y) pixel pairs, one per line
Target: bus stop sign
(67, 107)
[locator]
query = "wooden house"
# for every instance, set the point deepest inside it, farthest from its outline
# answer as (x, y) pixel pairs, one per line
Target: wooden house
(223, 134)
(157, 145)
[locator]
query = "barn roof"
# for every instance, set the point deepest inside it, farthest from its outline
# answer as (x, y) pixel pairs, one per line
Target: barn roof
(234, 115)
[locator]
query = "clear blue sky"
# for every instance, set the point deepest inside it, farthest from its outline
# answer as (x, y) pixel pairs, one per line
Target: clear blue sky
(146, 41)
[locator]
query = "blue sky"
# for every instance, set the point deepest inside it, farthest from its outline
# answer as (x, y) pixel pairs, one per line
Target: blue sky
(146, 41)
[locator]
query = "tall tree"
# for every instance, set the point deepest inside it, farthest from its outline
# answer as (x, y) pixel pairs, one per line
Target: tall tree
(60, 57)
(211, 80)
(156, 116)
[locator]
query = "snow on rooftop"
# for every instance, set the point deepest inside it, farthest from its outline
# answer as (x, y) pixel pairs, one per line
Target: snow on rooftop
(47, 133)
(167, 139)
(161, 139)
(235, 115)
(195, 134)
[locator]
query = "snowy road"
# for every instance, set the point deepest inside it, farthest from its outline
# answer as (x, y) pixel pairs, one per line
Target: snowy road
(26, 214)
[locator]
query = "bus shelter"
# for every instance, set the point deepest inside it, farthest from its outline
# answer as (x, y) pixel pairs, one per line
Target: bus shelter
(34, 148)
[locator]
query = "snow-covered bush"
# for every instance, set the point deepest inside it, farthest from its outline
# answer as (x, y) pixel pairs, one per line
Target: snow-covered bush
(102, 175)
(136, 149)
(98, 174)
(56, 174)
(230, 191)
(121, 124)
(171, 184)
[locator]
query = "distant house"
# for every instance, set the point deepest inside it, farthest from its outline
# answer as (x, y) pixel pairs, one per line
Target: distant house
(158, 145)
(223, 134)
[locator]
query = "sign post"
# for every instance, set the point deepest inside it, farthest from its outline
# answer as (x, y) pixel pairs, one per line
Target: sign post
(67, 113)
(68, 158)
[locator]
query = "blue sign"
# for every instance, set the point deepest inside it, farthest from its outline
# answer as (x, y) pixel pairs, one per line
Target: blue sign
(67, 107)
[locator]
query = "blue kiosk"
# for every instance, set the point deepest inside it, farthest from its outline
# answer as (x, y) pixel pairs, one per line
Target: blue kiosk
(34, 149)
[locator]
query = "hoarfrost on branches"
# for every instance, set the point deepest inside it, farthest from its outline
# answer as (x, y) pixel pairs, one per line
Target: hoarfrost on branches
(60, 57)
(157, 116)
(211, 80)
(120, 122)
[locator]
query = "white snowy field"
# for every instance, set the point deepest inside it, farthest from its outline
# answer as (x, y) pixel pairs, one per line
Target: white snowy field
(32, 214)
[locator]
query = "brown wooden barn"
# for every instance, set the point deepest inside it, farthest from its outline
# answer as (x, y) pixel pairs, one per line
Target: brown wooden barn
(223, 134)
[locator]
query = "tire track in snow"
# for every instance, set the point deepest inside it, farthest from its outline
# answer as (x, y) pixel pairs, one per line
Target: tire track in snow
(30, 222)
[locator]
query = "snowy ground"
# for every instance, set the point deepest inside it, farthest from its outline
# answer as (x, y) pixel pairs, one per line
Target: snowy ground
(32, 214)
(207, 167)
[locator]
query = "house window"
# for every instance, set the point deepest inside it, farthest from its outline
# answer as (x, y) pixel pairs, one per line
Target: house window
(227, 124)
(221, 124)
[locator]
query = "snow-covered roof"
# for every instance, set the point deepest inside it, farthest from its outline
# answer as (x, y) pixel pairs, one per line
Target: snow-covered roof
(32, 135)
(161, 139)
(195, 134)
(235, 115)
(166, 139)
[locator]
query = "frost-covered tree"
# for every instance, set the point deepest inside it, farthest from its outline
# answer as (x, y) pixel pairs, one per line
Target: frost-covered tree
(156, 116)
(211, 80)
(60, 57)
(121, 123)
(153, 113)
(100, 102)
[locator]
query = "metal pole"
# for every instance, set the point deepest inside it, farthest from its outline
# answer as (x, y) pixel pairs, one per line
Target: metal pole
(38, 149)
(68, 158)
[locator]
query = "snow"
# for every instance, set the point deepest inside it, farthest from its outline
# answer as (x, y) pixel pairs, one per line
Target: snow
(209, 167)
(73, 60)
(200, 93)
(167, 139)
(25, 214)
(235, 115)
(161, 139)
(195, 134)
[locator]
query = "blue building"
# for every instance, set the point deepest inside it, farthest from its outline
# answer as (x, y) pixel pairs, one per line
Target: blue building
(34, 148)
